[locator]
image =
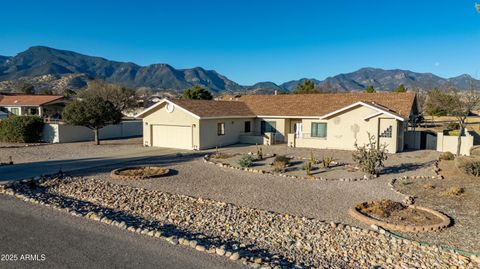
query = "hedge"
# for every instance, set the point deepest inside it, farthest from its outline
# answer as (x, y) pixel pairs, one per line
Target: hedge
(21, 129)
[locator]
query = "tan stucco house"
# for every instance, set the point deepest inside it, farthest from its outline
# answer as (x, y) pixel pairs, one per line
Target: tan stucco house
(333, 121)
(38, 105)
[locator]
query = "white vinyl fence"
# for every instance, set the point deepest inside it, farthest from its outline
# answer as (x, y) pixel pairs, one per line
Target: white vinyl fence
(62, 133)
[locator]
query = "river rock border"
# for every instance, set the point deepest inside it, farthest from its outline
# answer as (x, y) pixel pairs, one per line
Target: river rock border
(207, 159)
(234, 252)
(115, 173)
(445, 221)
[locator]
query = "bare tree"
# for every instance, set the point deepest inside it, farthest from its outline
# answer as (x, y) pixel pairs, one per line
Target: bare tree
(456, 104)
(124, 99)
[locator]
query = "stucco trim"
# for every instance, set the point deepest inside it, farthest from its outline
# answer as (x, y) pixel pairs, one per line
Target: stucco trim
(141, 114)
(362, 104)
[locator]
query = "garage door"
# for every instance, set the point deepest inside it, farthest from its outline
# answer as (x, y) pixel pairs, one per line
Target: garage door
(172, 136)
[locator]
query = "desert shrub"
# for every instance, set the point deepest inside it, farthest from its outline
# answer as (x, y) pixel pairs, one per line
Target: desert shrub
(455, 191)
(246, 161)
(446, 156)
(313, 159)
(469, 165)
(452, 126)
(259, 153)
(280, 163)
(452, 132)
(327, 161)
(383, 208)
(307, 167)
(21, 129)
(369, 157)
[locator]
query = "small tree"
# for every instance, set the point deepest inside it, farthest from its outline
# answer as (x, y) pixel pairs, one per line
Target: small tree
(93, 113)
(306, 87)
(453, 103)
(197, 93)
(369, 157)
(124, 99)
(400, 88)
(370, 89)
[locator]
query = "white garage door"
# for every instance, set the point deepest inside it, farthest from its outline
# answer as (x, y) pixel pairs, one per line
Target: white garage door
(172, 136)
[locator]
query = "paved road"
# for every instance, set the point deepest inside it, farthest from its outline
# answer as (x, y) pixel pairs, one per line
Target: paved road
(32, 169)
(72, 242)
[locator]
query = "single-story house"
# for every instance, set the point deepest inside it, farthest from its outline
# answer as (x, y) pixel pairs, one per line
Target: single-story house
(45, 106)
(332, 121)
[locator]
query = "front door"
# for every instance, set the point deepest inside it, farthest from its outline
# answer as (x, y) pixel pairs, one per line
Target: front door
(298, 128)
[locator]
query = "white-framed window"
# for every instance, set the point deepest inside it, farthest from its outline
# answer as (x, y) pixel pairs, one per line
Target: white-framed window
(319, 129)
(15, 110)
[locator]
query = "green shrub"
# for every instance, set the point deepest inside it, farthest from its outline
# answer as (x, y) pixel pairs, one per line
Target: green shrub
(246, 161)
(469, 165)
(447, 156)
(21, 129)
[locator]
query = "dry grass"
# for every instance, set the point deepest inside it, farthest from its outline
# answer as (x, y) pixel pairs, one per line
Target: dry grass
(148, 171)
(455, 191)
(382, 209)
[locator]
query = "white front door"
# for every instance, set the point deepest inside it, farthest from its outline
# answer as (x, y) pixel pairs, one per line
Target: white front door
(298, 129)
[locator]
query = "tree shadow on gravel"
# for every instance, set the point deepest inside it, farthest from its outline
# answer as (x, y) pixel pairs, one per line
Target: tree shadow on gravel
(81, 207)
(405, 167)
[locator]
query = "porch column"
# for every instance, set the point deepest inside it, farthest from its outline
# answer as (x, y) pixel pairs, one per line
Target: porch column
(40, 112)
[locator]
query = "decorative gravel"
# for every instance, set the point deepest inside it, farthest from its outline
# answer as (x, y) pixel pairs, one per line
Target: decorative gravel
(23, 153)
(464, 209)
(256, 237)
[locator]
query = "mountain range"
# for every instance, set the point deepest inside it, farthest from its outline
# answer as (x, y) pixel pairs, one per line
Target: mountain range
(56, 69)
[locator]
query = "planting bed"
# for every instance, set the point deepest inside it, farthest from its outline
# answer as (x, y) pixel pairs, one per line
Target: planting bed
(139, 172)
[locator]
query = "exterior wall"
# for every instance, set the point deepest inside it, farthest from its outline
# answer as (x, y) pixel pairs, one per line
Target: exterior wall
(176, 117)
(62, 133)
(349, 127)
(234, 130)
(449, 143)
(282, 126)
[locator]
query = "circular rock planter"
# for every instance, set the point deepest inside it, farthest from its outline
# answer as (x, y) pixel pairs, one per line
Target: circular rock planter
(399, 217)
(139, 172)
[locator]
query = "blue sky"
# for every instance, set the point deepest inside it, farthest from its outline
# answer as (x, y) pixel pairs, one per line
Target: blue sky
(251, 41)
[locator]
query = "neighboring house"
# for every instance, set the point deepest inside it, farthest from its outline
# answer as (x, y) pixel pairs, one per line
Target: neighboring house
(3, 115)
(333, 121)
(45, 106)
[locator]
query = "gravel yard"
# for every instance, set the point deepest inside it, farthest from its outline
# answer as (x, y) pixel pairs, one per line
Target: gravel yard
(22, 153)
(464, 208)
(251, 236)
(328, 200)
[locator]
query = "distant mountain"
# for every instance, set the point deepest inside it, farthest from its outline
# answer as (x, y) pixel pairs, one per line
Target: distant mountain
(48, 68)
(39, 61)
(292, 85)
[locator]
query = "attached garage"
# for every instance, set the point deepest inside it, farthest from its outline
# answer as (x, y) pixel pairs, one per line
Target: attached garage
(172, 136)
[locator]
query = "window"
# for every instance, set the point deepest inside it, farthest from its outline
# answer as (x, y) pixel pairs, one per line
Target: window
(268, 127)
(221, 128)
(319, 129)
(247, 127)
(15, 110)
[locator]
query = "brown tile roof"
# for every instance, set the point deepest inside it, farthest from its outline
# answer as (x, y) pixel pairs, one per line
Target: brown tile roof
(321, 104)
(27, 100)
(206, 108)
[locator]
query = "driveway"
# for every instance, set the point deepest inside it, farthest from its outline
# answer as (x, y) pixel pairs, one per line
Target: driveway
(44, 167)
(66, 241)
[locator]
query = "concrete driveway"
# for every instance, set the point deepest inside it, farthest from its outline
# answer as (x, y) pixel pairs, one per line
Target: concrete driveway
(32, 169)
